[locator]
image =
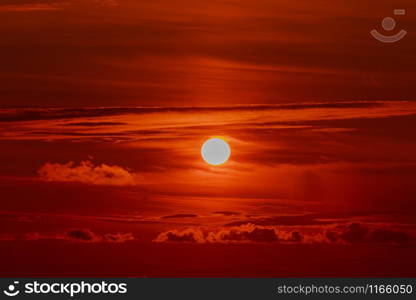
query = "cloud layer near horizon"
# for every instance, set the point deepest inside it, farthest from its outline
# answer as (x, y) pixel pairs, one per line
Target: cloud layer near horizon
(352, 233)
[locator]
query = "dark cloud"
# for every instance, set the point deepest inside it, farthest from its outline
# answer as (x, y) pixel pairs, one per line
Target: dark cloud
(82, 235)
(296, 236)
(242, 234)
(364, 233)
(32, 114)
(193, 235)
(352, 233)
(180, 216)
(309, 219)
(249, 233)
(227, 213)
(181, 237)
(93, 124)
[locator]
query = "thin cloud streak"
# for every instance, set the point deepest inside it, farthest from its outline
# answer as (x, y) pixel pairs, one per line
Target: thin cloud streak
(161, 122)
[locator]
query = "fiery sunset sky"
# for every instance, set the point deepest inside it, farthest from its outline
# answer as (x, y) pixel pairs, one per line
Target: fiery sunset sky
(104, 106)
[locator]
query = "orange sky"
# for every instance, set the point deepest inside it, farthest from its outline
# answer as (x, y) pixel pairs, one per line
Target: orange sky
(104, 106)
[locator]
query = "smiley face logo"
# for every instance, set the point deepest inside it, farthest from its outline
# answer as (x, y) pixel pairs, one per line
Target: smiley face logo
(389, 24)
(11, 289)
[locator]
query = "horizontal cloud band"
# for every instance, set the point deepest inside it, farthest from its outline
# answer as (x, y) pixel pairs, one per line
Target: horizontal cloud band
(342, 234)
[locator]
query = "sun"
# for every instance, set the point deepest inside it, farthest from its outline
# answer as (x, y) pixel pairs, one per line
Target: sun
(215, 151)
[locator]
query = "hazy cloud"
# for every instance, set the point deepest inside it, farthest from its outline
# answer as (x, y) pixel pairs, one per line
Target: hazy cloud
(87, 172)
(82, 235)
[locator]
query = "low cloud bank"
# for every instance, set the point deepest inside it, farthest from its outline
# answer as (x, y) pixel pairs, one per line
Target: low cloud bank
(243, 233)
(360, 233)
(342, 234)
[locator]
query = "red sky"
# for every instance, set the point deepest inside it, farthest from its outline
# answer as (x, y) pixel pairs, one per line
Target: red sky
(105, 105)
(86, 52)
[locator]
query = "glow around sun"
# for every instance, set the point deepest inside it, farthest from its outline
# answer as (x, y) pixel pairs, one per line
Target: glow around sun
(215, 151)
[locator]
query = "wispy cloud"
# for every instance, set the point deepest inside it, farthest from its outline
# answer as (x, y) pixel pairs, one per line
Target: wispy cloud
(32, 7)
(49, 5)
(133, 123)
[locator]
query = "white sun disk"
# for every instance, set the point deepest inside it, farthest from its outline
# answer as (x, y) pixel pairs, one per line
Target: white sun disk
(215, 151)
